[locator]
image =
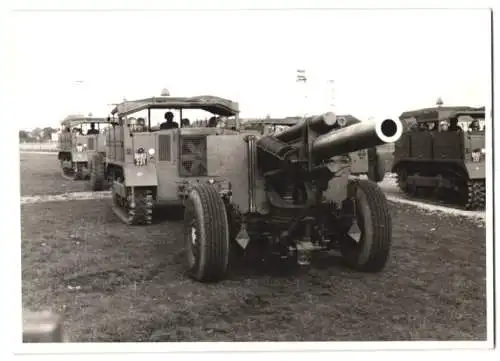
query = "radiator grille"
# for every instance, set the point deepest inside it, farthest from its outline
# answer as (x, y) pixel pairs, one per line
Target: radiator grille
(91, 144)
(193, 151)
(164, 147)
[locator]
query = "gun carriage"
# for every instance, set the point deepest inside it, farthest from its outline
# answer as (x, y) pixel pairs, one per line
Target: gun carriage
(289, 194)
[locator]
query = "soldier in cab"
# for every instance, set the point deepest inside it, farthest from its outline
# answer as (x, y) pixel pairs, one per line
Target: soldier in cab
(474, 126)
(169, 122)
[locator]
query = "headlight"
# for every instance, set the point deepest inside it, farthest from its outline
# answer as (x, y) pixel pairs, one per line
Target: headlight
(476, 155)
(140, 157)
(211, 181)
(483, 150)
(151, 151)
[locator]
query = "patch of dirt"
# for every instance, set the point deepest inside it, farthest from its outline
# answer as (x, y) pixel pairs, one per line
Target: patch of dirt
(114, 282)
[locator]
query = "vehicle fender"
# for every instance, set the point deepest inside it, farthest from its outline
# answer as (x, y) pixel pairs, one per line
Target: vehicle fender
(476, 170)
(143, 176)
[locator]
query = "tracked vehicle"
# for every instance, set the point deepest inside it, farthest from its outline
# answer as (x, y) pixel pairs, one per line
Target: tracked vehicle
(287, 195)
(149, 166)
(440, 156)
(76, 147)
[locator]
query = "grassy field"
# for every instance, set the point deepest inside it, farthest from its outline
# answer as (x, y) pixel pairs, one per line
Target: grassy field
(118, 283)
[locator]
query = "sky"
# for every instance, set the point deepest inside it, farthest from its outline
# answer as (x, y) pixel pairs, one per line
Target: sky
(383, 62)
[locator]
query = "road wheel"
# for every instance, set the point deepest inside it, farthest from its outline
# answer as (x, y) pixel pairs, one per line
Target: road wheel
(206, 234)
(97, 172)
(368, 249)
(475, 194)
(78, 167)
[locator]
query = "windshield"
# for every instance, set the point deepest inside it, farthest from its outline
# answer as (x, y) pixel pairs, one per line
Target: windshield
(183, 118)
(84, 128)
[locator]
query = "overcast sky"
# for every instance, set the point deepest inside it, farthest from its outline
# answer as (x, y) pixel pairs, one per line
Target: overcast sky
(383, 62)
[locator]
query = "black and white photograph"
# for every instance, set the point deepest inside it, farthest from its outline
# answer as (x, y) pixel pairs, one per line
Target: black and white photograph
(207, 178)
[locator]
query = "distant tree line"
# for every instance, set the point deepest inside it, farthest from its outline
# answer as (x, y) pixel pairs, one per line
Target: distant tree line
(36, 135)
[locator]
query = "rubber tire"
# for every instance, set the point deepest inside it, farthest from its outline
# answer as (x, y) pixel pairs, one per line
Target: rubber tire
(97, 173)
(206, 209)
(370, 256)
(376, 170)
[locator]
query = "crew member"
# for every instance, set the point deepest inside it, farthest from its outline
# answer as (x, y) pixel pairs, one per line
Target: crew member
(92, 129)
(474, 126)
(454, 127)
(212, 122)
(141, 125)
(169, 123)
(444, 126)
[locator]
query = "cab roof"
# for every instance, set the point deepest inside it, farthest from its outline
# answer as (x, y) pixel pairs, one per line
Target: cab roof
(210, 103)
(76, 120)
(438, 113)
(471, 113)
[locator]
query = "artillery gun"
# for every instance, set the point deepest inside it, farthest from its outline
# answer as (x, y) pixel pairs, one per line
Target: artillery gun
(79, 147)
(445, 163)
(288, 195)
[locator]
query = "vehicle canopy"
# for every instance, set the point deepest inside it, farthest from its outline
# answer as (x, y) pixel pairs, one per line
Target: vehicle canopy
(73, 121)
(215, 105)
(480, 113)
(429, 118)
(436, 113)
(81, 124)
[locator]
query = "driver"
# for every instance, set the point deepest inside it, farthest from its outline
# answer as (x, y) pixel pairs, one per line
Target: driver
(169, 123)
(92, 129)
(141, 125)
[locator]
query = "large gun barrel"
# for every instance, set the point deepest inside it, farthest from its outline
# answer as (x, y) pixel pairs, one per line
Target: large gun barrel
(276, 152)
(320, 123)
(356, 137)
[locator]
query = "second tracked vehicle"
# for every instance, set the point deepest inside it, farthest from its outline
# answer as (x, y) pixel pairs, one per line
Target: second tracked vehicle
(442, 155)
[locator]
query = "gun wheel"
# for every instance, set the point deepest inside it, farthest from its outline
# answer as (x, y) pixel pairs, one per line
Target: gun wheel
(206, 234)
(97, 173)
(476, 194)
(369, 253)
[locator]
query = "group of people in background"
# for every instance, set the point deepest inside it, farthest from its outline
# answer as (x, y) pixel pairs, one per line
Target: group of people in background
(446, 126)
